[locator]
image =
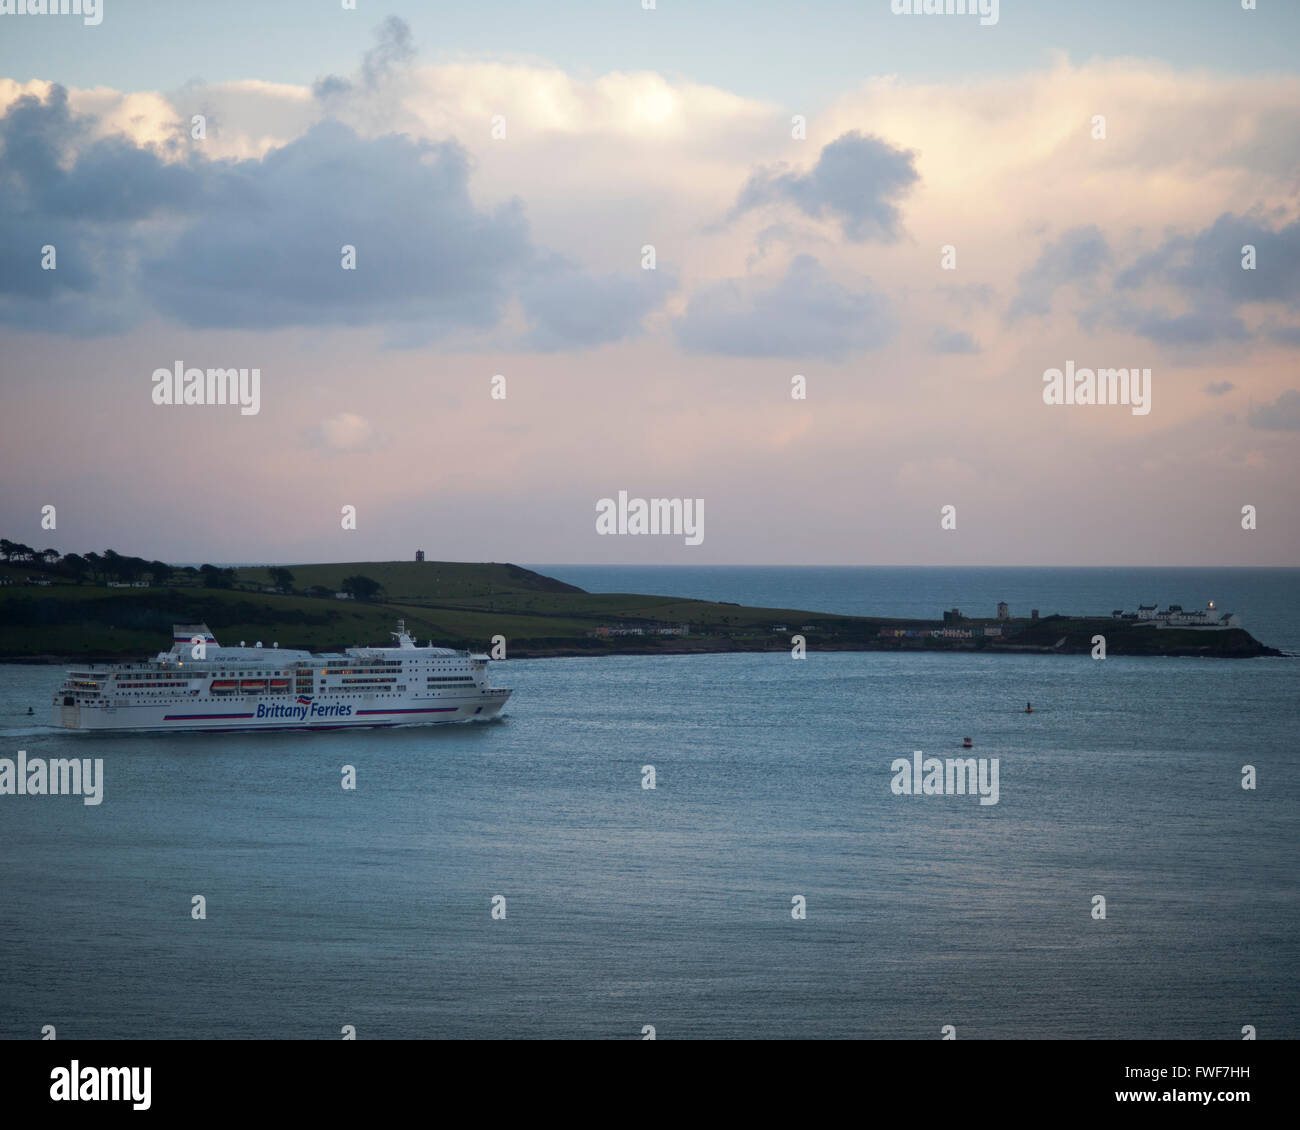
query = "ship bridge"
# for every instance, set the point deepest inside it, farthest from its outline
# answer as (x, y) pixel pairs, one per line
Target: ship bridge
(404, 643)
(187, 637)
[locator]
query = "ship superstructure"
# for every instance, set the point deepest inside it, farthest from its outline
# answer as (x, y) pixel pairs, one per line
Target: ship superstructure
(200, 685)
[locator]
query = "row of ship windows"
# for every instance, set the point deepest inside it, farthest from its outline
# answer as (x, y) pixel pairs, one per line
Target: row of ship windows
(348, 694)
(359, 671)
(401, 690)
(247, 674)
(147, 686)
(377, 694)
(168, 679)
(301, 673)
(244, 674)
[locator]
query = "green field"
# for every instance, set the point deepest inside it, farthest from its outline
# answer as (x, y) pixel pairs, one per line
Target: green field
(466, 605)
(454, 604)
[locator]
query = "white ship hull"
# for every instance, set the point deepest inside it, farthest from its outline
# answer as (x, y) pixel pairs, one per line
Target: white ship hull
(200, 686)
(228, 715)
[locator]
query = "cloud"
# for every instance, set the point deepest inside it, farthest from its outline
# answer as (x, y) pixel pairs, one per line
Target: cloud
(79, 207)
(1201, 273)
(1204, 325)
(258, 243)
(1282, 415)
(1210, 262)
(267, 251)
(1206, 270)
(347, 432)
(968, 296)
(1284, 335)
(806, 313)
(857, 180)
(945, 340)
(573, 309)
(1219, 388)
(393, 52)
(1076, 257)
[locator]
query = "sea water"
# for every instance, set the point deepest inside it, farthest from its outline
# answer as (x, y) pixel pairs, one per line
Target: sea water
(771, 884)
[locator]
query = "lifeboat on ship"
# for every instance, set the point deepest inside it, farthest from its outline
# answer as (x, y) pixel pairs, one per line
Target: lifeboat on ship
(252, 685)
(223, 686)
(279, 684)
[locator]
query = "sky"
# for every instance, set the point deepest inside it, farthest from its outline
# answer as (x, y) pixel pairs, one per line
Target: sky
(810, 264)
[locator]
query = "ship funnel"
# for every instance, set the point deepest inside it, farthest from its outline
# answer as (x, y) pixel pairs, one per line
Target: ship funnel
(184, 635)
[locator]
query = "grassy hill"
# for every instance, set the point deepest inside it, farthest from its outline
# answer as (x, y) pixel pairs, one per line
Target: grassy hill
(454, 604)
(464, 605)
(419, 580)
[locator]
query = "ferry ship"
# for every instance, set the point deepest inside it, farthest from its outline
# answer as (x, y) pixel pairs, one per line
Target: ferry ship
(200, 685)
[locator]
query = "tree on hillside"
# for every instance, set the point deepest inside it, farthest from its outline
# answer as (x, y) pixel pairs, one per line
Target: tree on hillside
(282, 579)
(74, 565)
(161, 572)
(214, 578)
(131, 568)
(111, 565)
(361, 588)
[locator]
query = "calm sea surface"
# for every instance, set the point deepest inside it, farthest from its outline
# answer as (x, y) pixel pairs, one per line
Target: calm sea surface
(672, 907)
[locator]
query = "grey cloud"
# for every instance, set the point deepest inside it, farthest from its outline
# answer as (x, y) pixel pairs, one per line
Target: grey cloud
(1206, 268)
(1204, 325)
(1282, 415)
(110, 179)
(806, 313)
(967, 296)
(330, 86)
(1076, 257)
(1209, 263)
(267, 252)
(945, 340)
(1219, 388)
(394, 49)
(573, 309)
(857, 180)
(257, 243)
(1284, 335)
(84, 211)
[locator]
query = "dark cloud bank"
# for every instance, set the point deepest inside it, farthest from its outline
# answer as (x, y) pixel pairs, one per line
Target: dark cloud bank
(257, 243)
